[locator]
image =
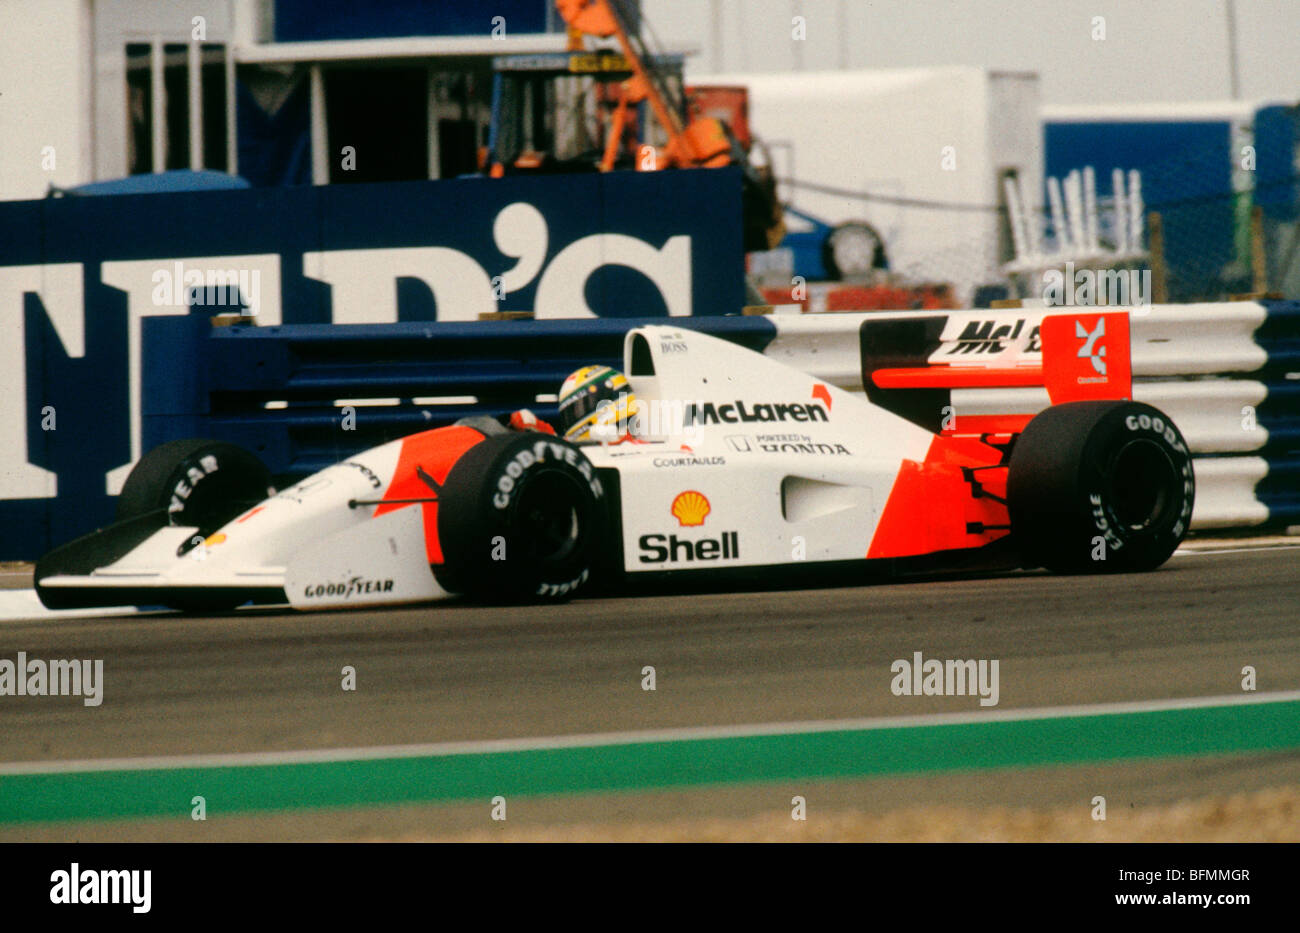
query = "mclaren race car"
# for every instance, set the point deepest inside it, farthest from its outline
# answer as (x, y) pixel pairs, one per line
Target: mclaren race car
(735, 465)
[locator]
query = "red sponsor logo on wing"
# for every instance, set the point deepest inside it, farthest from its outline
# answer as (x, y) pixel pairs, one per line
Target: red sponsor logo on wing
(1087, 356)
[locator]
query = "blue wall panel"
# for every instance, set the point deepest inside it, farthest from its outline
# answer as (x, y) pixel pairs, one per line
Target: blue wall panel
(1186, 172)
(314, 20)
(92, 393)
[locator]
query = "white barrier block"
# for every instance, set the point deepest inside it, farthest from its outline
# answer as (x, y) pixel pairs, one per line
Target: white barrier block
(1225, 492)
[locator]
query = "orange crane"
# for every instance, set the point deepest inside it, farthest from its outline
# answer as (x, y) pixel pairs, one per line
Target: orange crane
(692, 141)
(699, 141)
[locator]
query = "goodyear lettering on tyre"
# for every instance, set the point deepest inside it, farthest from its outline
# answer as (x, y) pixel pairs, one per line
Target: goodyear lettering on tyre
(1102, 525)
(1164, 429)
(1158, 425)
(561, 589)
(541, 452)
(193, 476)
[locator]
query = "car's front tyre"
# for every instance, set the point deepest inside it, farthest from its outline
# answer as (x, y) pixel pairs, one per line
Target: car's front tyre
(199, 483)
(520, 517)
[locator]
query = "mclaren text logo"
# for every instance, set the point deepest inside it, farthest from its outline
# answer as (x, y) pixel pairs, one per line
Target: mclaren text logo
(357, 586)
(738, 412)
(993, 337)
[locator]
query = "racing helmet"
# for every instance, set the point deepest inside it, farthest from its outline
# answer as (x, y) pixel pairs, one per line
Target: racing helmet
(595, 397)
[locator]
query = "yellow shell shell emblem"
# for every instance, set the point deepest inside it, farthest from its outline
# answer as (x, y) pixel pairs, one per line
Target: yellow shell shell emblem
(690, 508)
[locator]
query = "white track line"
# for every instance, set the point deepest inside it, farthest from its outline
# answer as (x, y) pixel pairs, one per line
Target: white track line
(25, 606)
(1196, 552)
(319, 756)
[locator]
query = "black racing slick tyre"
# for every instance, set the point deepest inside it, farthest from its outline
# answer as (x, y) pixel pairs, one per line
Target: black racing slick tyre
(520, 517)
(1100, 486)
(198, 483)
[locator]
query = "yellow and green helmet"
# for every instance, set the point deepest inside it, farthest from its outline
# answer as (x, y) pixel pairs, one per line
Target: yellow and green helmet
(591, 396)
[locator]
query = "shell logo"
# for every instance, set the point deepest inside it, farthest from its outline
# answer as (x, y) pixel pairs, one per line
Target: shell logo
(690, 508)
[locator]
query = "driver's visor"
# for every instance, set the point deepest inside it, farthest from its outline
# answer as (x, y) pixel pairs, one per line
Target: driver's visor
(579, 406)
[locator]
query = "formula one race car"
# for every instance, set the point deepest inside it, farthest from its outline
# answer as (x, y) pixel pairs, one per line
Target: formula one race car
(738, 465)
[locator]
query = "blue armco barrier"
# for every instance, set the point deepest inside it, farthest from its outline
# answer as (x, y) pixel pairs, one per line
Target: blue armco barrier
(225, 380)
(1240, 410)
(279, 390)
(1279, 413)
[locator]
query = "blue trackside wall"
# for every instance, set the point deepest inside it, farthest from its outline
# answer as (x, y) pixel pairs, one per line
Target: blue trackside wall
(1277, 186)
(314, 20)
(82, 296)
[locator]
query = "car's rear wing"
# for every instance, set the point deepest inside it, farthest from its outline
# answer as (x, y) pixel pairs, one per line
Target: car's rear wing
(911, 365)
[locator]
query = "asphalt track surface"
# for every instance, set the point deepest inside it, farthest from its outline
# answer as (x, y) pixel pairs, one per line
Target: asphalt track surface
(270, 681)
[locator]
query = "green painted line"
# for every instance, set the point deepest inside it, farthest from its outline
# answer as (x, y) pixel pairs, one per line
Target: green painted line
(645, 765)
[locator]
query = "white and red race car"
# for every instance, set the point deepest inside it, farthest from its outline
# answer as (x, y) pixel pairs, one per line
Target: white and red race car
(739, 466)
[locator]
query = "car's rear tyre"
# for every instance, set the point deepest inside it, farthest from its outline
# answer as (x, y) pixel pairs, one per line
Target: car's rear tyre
(520, 517)
(1100, 486)
(198, 483)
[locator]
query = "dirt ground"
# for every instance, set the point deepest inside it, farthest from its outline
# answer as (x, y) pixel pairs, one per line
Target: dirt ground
(1271, 815)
